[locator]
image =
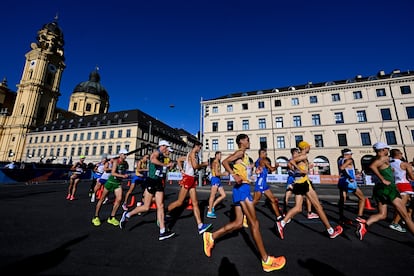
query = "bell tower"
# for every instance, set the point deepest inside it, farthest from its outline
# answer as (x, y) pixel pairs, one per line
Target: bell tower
(37, 93)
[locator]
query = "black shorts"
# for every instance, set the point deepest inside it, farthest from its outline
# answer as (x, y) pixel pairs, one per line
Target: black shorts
(154, 185)
(302, 188)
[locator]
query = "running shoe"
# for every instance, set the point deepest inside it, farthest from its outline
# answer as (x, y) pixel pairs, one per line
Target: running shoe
(96, 221)
(361, 230)
(337, 231)
(273, 263)
(68, 196)
(113, 221)
(72, 198)
(211, 215)
(245, 224)
(397, 227)
(204, 228)
(166, 235)
(360, 219)
(124, 206)
(312, 215)
(208, 243)
(279, 229)
(124, 220)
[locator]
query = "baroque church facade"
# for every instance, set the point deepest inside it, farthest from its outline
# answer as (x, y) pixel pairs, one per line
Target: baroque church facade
(34, 129)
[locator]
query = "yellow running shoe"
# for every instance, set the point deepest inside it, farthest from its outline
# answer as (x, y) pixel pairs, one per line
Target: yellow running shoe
(245, 224)
(208, 243)
(96, 221)
(273, 263)
(113, 221)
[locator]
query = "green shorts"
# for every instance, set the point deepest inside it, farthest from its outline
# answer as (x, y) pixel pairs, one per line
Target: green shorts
(385, 193)
(112, 184)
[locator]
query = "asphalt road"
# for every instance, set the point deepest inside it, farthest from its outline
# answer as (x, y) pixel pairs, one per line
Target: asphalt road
(42, 233)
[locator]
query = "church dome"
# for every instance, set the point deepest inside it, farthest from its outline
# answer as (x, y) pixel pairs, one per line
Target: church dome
(92, 86)
(54, 28)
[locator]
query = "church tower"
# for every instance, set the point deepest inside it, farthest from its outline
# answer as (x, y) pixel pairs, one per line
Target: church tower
(37, 93)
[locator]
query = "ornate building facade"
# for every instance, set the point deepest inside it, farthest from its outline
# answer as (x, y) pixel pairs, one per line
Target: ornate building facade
(350, 113)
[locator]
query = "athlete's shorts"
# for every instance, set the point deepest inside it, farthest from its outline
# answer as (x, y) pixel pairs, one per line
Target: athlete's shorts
(405, 188)
(112, 185)
(344, 184)
(154, 185)
(240, 193)
(137, 180)
(215, 181)
(102, 180)
(302, 188)
(188, 181)
(261, 185)
(385, 193)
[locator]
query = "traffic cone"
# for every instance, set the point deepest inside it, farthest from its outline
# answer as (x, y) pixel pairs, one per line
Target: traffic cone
(368, 205)
(190, 205)
(153, 205)
(132, 201)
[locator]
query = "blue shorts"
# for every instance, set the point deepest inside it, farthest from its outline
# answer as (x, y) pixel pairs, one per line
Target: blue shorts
(137, 179)
(215, 181)
(240, 193)
(102, 181)
(261, 185)
(348, 186)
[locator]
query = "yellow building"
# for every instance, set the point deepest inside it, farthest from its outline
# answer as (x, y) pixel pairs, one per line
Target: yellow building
(33, 129)
(350, 113)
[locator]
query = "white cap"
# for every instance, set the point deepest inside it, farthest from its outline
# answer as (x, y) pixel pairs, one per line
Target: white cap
(123, 151)
(380, 145)
(163, 143)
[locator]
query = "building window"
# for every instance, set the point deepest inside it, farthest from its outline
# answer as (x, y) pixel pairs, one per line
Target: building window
(215, 126)
(230, 108)
(72, 151)
(295, 101)
(339, 117)
(361, 116)
(318, 141)
(357, 95)
(313, 99)
(298, 138)
(412, 135)
(386, 114)
(263, 142)
(262, 123)
(54, 139)
(128, 133)
(111, 134)
(280, 142)
(65, 151)
(75, 105)
(230, 144)
(110, 149)
(86, 150)
(229, 125)
(261, 105)
(245, 106)
(118, 148)
(297, 122)
(79, 151)
(365, 139)
(278, 103)
(342, 141)
(215, 109)
(103, 135)
(279, 122)
(101, 150)
(381, 92)
(245, 124)
(41, 139)
(120, 133)
(336, 97)
(75, 136)
(67, 137)
(405, 90)
(316, 120)
(94, 150)
(89, 136)
(390, 137)
(214, 144)
(96, 135)
(410, 112)
(82, 136)
(88, 107)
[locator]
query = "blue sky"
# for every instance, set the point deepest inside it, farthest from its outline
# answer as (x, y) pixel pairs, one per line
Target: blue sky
(153, 54)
